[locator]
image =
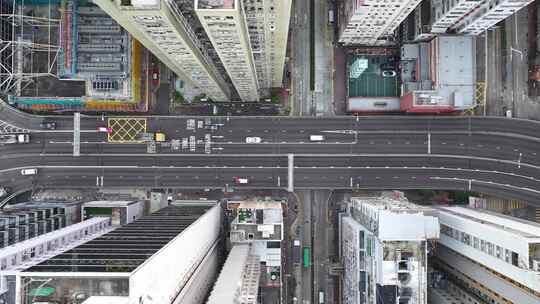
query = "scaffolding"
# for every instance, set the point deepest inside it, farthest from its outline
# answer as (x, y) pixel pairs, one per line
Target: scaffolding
(27, 43)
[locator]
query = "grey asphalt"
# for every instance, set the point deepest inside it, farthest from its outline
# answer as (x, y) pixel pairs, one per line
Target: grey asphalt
(494, 155)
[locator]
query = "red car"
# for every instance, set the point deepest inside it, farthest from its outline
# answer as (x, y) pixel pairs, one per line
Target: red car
(240, 180)
(105, 129)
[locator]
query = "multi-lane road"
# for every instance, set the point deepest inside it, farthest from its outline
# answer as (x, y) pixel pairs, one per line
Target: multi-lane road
(492, 155)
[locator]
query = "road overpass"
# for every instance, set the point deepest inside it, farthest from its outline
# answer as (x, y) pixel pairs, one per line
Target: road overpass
(486, 154)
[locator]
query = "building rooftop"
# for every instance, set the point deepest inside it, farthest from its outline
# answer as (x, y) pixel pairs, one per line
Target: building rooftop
(109, 203)
(365, 76)
(239, 277)
(391, 204)
(106, 300)
(126, 248)
(514, 225)
(215, 4)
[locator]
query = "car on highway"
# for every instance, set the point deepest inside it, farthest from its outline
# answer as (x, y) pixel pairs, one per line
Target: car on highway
(253, 140)
(48, 125)
(388, 73)
(32, 171)
(240, 180)
(316, 137)
(105, 129)
(155, 77)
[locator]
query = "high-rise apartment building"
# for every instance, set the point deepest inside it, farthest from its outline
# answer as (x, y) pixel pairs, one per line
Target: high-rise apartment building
(471, 16)
(225, 24)
(163, 29)
(268, 27)
(213, 44)
(372, 22)
(384, 250)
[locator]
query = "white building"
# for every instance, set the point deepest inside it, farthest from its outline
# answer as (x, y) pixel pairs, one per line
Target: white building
(500, 252)
(22, 255)
(238, 281)
(169, 256)
(225, 24)
(268, 26)
(260, 224)
(471, 16)
(372, 22)
(160, 26)
(120, 212)
(384, 248)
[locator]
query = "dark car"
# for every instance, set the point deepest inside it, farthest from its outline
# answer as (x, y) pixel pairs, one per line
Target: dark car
(48, 125)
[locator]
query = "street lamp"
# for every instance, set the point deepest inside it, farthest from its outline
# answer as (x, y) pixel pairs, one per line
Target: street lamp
(515, 77)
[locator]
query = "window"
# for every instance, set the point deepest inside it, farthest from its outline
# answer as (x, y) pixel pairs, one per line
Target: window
(490, 248)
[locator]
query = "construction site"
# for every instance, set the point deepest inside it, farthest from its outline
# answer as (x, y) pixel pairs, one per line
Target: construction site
(68, 55)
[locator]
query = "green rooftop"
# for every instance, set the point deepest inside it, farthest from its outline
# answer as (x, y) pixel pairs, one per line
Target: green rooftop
(366, 80)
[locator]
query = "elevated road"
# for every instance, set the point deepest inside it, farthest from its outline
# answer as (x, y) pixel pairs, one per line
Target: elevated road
(492, 155)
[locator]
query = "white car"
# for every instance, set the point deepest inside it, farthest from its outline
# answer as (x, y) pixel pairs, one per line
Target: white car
(389, 73)
(32, 171)
(253, 140)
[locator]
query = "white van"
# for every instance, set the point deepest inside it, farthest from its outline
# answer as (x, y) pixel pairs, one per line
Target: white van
(316, 137)
(32, 171)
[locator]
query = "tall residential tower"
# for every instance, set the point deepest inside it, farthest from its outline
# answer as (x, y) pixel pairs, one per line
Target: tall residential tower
(372, 22)
(214, 45)
(163, 29)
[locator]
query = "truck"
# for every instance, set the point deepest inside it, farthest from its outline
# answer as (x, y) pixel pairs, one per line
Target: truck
(296, 252)
(14, 139)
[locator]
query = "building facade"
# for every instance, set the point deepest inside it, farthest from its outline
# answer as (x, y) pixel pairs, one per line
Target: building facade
(238, 281)
(384, 249)
(225, 24)
(20, 256)
(471, 17)
(163, 29)
(499, 253)
(268, 26)
(372, 22)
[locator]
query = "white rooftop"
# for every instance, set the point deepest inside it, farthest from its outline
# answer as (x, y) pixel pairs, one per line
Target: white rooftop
(108, 203)
(519, 227)
(257, 204)
(226, 289)
(106, 300)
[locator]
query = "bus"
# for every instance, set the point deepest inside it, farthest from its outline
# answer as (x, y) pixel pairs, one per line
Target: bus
(307, 257)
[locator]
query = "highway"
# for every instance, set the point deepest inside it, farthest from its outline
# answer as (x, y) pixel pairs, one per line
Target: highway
(492, 155)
